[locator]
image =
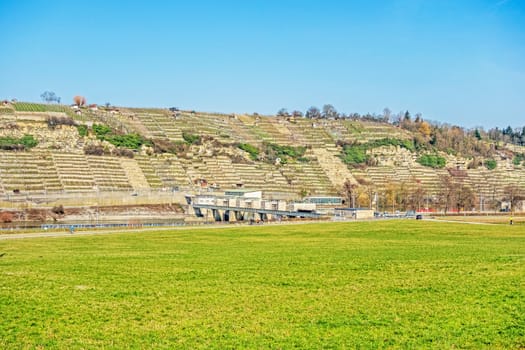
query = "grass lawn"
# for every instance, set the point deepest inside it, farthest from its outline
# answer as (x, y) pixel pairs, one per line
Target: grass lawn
(388, 284)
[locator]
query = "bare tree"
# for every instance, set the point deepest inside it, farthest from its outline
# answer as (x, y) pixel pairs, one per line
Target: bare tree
(313, 113)
(387, 114)
(446, 191)
(464, 197)
(329, 112)
(350, 192)
(297, 114)
(513, 194)
(417, 196)
(283, 112)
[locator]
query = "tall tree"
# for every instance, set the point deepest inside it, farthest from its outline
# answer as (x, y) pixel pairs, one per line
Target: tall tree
(447, 189)
(350, 192)
(464, 197)
(387, 114)
(513, 194)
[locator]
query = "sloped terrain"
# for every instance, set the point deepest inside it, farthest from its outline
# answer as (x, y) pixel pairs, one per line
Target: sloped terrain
(188, 150)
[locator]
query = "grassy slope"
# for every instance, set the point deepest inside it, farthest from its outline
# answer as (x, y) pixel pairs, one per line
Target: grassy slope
(390, 284)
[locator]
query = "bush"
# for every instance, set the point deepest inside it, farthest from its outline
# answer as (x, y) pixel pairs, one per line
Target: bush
(28, 141)
(354, 154)
(491, 164)
(13, 144)
(6, 217)
(408, 144)
(252, 150)
(518, 159)
(82, 130)
(273, 150)
(164, 146)
(191, 139)
(53, 122)
(432, 161)
(123, 152)
(94, 150)
(58, 210)
(133, 141)
(101, 131)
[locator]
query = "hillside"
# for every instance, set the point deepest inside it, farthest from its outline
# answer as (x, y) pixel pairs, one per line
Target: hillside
(92, 150)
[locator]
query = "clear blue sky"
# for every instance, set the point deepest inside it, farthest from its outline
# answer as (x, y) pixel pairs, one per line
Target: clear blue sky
(456, 61)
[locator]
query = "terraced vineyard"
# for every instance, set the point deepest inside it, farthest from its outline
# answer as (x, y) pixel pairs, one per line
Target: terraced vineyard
(59, 162)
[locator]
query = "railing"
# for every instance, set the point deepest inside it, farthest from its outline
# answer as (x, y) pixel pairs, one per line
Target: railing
(260, 211)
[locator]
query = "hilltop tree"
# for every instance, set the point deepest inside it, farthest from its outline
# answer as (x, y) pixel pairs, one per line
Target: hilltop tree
(297, 114)
(49, 96)
(313, 113)
(283, 112)
(79, 100)
(477, 134)
(387, 114)
(424, 129)
(329, 112)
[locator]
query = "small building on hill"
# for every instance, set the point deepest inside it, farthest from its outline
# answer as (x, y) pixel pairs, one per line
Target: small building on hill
(324, 200)
(245, 193)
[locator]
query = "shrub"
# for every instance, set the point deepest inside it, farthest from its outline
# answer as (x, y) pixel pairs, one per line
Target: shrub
(191, 139)
(101, 131)
(275, 150)
(252, 150)
(491, 164)
(28, 141)
(432, 161)
(6, 217)
(133, 141)
(82, 130)
(354, 154)
(518, 158)
(53, 122)
(165, 146)
(11, 143)
(123, 152)
(94, 150)
(408, 144)
(58, 210)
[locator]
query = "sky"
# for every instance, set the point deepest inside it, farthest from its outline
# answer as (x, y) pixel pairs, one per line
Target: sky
(458, 62)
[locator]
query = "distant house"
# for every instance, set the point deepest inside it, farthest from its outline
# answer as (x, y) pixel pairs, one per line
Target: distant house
(246, 193)
(324, 200)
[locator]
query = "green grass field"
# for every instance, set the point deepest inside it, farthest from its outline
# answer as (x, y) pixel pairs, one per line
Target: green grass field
(392, 284)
